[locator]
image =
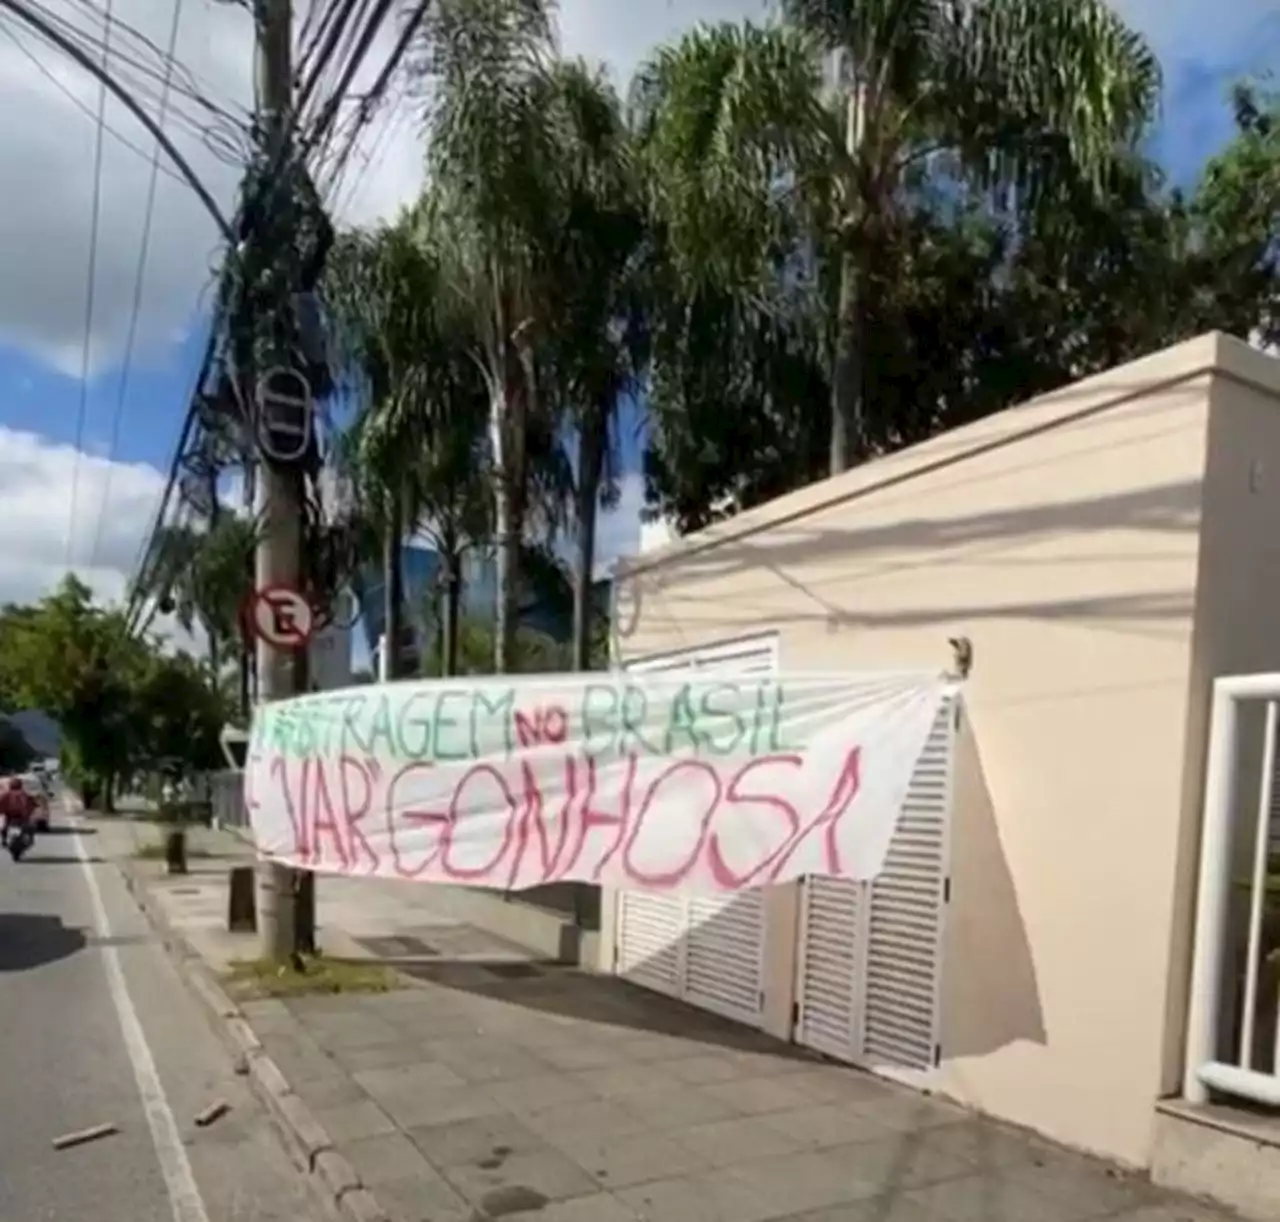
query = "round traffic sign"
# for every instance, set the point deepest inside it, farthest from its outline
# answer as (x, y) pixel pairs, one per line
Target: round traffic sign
(281, 616)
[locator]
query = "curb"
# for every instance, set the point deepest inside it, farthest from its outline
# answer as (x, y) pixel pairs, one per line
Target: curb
(311, 1148)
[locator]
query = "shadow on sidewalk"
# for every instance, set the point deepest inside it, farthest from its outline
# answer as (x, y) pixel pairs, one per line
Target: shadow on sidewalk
(36, 858)
(28, 940)
(548, 987)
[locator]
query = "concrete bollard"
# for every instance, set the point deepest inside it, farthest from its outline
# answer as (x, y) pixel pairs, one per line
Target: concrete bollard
(175, 851)
(242, 904)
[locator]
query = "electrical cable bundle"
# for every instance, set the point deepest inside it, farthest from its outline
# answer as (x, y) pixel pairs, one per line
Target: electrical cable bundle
(336, 40)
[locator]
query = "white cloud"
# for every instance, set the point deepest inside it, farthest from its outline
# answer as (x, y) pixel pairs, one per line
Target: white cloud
(47, 138)
(46, 141)
(115, 503)
(39, 481)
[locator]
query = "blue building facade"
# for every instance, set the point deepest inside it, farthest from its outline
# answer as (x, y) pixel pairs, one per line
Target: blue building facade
(419, 567)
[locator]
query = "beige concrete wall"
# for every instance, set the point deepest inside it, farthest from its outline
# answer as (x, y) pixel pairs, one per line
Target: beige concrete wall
(1237, 631)
(1062, 538)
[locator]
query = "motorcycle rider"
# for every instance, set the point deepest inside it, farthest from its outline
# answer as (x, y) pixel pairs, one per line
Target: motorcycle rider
(16, 808)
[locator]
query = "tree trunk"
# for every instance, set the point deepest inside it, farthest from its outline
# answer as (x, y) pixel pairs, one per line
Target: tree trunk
(248, 655)
(393, 589)
(847, 425)
(591, 450)
(847, 433)
(245, 674)
(109, 794)
(215, 659)
(508, 524)
(451, 562)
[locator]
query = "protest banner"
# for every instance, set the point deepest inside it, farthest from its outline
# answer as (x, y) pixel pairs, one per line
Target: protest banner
(702, 783)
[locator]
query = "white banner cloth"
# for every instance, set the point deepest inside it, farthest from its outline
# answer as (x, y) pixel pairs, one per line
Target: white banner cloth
(667, 783)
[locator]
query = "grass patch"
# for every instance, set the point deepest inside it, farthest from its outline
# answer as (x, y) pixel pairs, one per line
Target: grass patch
(251, 978)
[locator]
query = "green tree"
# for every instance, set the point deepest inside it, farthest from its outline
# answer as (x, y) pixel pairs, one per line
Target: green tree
(78, 663)
(203, 576)
(1233, 237)
(178, 717)
(535, 653)
(15, 751)
(123, 704)
(417, 451)
(496, 135)
(745, 135)
(599, 344)
(377, 294)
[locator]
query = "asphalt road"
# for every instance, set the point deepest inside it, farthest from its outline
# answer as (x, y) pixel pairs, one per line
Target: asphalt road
(97, 1028)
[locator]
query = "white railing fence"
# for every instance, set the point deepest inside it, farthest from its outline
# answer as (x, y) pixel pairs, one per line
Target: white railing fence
(1233, 1033)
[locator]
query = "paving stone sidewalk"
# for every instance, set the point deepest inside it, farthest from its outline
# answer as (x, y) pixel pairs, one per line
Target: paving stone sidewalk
(495, 1086)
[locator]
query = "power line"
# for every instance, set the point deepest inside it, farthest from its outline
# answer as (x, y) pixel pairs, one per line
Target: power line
(52, 78)
(94, 216)
(322, 128)
(310, 136)
(313, 29)
(139, 282)
(344, 193)
(26, 12)
(359, 48)
(214, 124)
(183, 80)
(189, 423)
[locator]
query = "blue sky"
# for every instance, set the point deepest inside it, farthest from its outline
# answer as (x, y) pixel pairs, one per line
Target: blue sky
(1196, 120)
(42, 253)
(44, 400)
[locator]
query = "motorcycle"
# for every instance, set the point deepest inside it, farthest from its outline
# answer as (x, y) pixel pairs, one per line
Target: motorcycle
(20, 840)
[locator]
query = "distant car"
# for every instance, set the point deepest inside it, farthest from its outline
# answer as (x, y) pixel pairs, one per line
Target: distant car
(37, 789)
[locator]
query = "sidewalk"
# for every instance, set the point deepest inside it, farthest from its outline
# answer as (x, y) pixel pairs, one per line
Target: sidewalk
(493, 1085)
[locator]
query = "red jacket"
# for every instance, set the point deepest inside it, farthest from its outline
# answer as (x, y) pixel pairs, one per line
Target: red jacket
(16, 805)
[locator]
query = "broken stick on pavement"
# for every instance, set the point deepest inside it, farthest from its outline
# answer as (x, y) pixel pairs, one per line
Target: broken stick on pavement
(67, 1140)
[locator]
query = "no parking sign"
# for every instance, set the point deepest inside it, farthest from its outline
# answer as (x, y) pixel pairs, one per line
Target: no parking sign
(281, 616)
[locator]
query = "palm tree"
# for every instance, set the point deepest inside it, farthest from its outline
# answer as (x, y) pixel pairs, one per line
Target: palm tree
(374, 319)
(536, 652)
(598, 347)
(417, 450)
(203, 576)
(494, 143)
(744, 133)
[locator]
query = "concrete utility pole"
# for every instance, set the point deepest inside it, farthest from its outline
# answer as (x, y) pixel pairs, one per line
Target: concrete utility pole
(278, 488)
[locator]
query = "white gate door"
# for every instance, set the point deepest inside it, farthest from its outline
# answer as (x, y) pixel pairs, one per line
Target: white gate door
(706, 950)
(871, 953)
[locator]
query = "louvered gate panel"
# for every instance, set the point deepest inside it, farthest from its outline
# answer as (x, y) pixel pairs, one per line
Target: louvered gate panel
(904, 924)
(651, 931)
(724, 955)
(830, 963)
(715, 946)
(724, 951)
(651, 941)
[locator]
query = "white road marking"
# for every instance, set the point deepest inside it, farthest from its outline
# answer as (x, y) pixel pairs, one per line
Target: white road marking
(184, 1195)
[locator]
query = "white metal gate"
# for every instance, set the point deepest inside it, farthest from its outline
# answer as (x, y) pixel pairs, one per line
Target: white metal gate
(869, 963)
(706, 950)
(1233, 1017)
